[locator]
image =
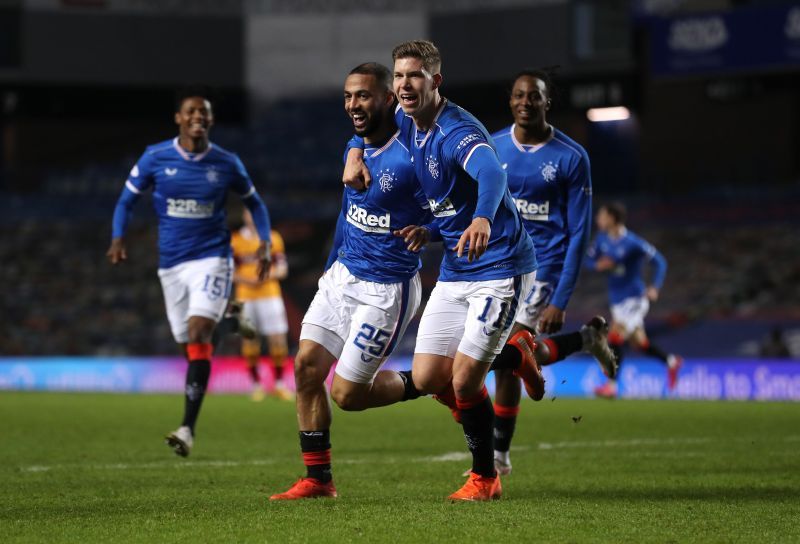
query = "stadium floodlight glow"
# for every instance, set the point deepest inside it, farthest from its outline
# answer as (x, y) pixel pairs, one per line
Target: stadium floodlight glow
(617, 113)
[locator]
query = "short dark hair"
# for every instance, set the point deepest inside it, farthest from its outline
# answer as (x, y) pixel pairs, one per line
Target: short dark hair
(420, 49)
(616, 210)
(191, 91)
(377, 70)
(546, 74)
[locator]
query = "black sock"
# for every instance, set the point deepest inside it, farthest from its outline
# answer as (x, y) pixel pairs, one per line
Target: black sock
(504, 432)
(409, 392)
(509, 358)
(477, 420)
(566, 345)
(654, 351)
(316, 448)
(196, 383)
(254, 373)
(617, 350)
(277, 370)
(226, 326)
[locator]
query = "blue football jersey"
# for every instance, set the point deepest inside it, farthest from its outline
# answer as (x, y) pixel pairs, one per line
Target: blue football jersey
(629, 253)
(440, 156)
(552, 188)
(364, 242)
(189, 195)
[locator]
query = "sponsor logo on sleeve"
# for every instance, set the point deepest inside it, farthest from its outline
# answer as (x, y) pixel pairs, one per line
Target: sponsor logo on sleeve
(135, 171)
(465, 141)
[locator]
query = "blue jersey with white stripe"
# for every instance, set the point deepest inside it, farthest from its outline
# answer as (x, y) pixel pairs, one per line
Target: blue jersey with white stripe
(440, 157)
(629, 253)
(552, 188)
(364, 241)
(189, 195)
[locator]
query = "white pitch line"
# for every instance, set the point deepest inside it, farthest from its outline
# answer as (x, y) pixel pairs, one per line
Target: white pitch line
(447, 457)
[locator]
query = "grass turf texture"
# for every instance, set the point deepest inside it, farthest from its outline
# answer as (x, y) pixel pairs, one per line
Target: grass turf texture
(81, 467)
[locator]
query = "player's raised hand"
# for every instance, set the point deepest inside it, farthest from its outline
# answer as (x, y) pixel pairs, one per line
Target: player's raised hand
(356, 174)
(474, 239)
(263, 256)
(117, 252)
(414, 236)
(551, 321)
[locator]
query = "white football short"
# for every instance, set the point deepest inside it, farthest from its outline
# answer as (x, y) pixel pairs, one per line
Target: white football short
(268, 315)
(195, 288)
(538, 297)
(473, 317)
(359, 322)
(630, 313)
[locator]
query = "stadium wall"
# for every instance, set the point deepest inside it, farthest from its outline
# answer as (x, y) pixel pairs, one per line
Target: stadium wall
(700, 379)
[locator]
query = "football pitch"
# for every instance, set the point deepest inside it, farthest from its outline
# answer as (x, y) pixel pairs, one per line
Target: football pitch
(91, 467)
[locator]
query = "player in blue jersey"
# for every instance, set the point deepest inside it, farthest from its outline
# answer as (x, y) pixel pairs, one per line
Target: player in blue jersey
(489, 260)
(550, 181)
(190, 178)
(370, 290)
(623, 255)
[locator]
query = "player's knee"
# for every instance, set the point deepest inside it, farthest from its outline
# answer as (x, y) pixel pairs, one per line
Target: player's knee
(308, 372)
(347, 399)
(201, 330)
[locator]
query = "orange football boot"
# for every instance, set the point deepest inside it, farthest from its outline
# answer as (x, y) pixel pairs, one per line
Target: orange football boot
(306, 488)
(528, 369)
(479, 488)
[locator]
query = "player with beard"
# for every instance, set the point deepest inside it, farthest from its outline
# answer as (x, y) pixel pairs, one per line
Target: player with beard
(370, 290)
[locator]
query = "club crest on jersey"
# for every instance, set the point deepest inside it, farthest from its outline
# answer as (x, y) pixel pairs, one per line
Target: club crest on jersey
(368, 222)
(386, 180)
(212, 175)
(549, 171)
(170, 171)
(433, 167)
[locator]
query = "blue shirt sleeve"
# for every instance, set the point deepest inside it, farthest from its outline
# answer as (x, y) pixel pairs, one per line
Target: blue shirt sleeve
(592, 254)
(579, 223)
(659, 264)
(243, 185)
(481, 163)
(139, 179)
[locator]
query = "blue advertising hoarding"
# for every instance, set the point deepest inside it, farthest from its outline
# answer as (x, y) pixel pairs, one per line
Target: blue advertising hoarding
(752, 39)
(700, 379)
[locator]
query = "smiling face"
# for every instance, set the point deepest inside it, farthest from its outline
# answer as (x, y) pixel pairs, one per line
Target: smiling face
(529, 101)
(194, 118)
(366, 102)
(415, 86)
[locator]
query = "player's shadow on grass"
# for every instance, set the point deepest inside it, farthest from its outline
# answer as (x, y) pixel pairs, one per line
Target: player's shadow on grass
(769, 494)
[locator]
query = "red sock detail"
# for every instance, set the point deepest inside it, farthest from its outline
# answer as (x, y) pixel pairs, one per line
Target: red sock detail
(553, 350)
(615, 339)
(471, 402)
(199, 352)
(311, 458)
(506, 411)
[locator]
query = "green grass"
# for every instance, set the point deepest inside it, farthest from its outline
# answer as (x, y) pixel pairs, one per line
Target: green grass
(89, 468)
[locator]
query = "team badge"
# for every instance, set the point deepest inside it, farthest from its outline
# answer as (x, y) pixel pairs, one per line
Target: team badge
(212, 175)
(387, 180)
(433, 167)
(549, 171)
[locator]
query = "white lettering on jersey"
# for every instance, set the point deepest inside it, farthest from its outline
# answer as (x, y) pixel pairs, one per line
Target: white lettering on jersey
(188, 208)
(444, 208)
(368, 222)
(533, 211)
(170, 171)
